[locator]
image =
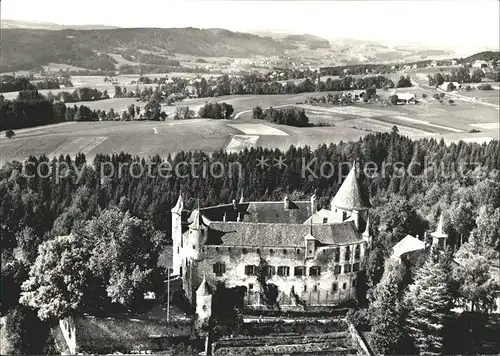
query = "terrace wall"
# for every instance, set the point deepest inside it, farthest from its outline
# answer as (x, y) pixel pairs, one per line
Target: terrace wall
(107, 335)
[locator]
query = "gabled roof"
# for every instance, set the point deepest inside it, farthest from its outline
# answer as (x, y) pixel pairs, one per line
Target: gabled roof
(261, 212)
(279, 235)
(407, 244)
(350, 195)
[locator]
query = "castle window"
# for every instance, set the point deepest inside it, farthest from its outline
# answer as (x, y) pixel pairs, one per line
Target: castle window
(354, 283)
(337, 269)
(298, 251)
(269, 271)
(229, 249)
(347, 268)
(305, 287)
(283, 271)
(335, 288)
(258, 250)
(219, 268)
(299, 271)
(347, 255)
(271, 251)
(325, 220)
(337, 254)
(355, 267)
(178, 249)
(344, 286)
(315, 271)
(250, 286)
(315, 288)
(244, 251)
(284, 252)
(217, 249)
(203, 249)
(194, 247)
(357, 252)
(250, 270)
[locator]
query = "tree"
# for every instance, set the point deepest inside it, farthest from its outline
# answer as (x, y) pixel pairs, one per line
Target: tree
(25, 333)
(131, 110)
(10, 133)
(473, 276)
(394, 99)
(386, 316)
(124, 255)
(57, 280)
(451, 101)
(428, 305)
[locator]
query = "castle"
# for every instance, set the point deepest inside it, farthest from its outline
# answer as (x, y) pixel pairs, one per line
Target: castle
(309, 256)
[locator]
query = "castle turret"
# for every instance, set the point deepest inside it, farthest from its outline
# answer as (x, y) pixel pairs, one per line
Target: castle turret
(203, 302)
(197, 233)
(177, 235)
(351, 201)
(439, 238)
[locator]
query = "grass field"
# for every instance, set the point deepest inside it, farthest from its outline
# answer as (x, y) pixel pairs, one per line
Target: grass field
(428, 119)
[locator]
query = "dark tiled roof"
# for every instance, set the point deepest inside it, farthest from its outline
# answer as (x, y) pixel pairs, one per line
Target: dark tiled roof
(351, 196)
(278, 234)
(261, 212)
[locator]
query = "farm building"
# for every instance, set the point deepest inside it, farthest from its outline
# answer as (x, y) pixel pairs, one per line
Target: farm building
(480, 64)
(450, 86)
(287, 250)
(406, 98)
(409, 248)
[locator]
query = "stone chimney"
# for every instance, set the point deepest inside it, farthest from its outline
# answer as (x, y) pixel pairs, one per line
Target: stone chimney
(234, 203)
(224, 217)
(286, 203)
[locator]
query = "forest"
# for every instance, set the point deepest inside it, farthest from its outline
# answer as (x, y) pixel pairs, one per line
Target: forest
(84, 210)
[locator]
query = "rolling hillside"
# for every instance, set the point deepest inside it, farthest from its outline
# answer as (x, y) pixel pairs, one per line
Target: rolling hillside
(25, 49)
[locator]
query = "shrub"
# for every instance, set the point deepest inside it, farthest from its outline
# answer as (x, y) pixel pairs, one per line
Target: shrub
(484, 87)
(10, 133)
(359, 318)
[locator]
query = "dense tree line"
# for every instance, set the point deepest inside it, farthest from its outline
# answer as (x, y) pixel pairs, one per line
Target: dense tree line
(79, 94)
(11, 83)
(460, 75)
(287, 116)
(258, 84)
(218, 111)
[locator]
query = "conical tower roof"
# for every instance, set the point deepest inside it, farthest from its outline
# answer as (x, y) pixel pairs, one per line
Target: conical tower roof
(197, 220)
(179, 206)
(204, 288)
(350, 195)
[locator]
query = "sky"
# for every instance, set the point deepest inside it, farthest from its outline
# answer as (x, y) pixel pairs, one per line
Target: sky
(456, 23)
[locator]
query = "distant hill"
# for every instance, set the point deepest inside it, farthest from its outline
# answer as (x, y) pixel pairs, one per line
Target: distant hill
(30, 48)
(50, 26)
(313, 42)
(485, 56)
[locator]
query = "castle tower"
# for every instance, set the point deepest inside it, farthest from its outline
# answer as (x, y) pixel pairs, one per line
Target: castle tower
(203, 302)
(439, 237)
(197, 234)
(351, 201)
(177, 236)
